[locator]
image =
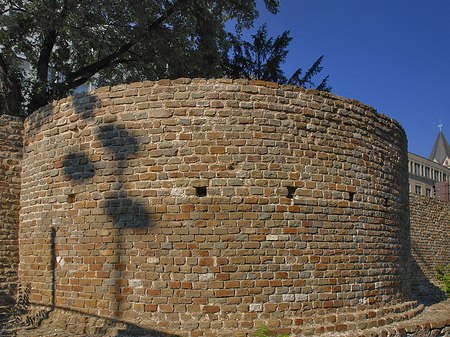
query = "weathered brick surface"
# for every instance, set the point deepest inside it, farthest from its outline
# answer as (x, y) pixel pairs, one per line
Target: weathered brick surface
(209, 207)
(434, 321)
(430, 242)
(10, 167)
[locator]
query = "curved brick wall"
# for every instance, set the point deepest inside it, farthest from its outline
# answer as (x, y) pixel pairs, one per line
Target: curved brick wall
(11, 129)
(215, 205)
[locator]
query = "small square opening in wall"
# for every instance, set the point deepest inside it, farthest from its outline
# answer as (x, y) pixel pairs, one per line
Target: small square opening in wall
(351, 196)
(291, 191)
(201, 191)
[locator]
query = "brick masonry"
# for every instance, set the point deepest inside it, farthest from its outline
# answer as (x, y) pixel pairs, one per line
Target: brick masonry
(10, 167)
(430, 241)
(206, 206)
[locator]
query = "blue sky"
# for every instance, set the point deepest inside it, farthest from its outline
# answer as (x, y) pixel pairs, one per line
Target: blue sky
(393, 55)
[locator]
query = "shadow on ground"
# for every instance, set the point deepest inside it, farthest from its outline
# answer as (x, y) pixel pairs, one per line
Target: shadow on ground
(62, 321)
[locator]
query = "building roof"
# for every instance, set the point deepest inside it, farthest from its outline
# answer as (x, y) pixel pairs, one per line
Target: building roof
(441, 150)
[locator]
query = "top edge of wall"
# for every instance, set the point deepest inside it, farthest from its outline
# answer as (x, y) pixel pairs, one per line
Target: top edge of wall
(222, 81)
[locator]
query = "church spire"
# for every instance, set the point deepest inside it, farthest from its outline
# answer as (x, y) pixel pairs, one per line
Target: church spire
(441, 149)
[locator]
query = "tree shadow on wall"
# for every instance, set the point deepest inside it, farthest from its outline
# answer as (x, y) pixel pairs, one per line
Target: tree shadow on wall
(424, 291)
(128, 214)
(78, 167)
(120, 146)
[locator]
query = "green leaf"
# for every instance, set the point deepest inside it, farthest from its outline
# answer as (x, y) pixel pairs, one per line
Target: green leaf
(443, 275)
(262, 331)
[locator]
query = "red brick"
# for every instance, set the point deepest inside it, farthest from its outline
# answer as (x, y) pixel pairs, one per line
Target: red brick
(211, 308)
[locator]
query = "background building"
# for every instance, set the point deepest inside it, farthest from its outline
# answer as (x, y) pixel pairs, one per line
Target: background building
(426, 176)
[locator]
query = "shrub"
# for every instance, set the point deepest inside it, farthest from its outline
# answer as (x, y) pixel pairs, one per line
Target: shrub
(443, 275)
(264, 331)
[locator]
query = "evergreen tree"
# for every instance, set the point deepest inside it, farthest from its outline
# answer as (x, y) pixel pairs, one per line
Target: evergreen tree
(262, 59)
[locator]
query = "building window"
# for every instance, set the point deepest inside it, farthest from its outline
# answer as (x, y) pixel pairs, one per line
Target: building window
(418, 189)
(444, 176)
(427, 172)
(416, 168)
(436, 175)
(428, 192)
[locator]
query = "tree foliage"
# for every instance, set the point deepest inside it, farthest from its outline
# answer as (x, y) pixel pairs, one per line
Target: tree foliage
(263, 57)
(68, 42)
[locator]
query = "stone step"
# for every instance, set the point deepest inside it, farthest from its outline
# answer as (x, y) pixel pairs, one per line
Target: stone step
(346, 324)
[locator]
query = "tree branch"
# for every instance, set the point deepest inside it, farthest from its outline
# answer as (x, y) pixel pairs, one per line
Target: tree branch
(10, 89)
(73, 79)
(3, 66)
(40, 91)
(13, 7)
(44, 55)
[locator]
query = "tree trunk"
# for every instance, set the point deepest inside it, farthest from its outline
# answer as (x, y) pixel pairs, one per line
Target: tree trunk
(10, 93)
